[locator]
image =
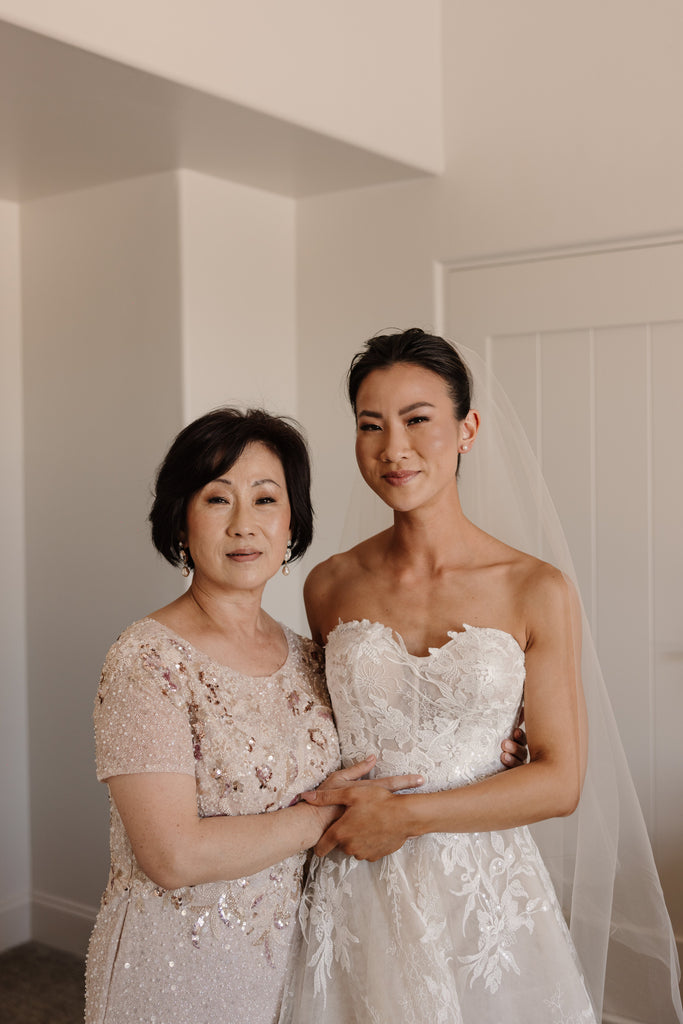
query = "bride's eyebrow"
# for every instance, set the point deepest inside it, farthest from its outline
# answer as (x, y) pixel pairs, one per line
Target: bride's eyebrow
(402, 412)
(415, 405)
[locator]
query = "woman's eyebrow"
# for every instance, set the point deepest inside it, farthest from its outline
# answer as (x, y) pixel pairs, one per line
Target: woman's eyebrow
(256, 483)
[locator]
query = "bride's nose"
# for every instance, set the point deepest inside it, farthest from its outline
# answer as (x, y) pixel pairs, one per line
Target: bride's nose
(395, 446)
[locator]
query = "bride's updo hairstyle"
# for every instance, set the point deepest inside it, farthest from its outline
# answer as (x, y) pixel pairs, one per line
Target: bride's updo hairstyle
(416, 347)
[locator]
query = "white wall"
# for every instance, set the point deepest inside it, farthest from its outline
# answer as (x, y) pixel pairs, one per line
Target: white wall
(238, 298)
(560, 126)
(559, 131)
(146, 303)
(15, 878)
(562, 122)
(102, 358)
(238, 302)
(366, 71)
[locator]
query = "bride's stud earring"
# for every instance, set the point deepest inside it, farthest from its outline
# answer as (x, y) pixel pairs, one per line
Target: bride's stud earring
(288, 555)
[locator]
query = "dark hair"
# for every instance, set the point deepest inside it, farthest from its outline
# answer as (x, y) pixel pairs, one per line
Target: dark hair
(416, 347)
(208, 447)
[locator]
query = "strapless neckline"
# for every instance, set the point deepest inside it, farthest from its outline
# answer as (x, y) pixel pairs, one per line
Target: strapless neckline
(455, 636)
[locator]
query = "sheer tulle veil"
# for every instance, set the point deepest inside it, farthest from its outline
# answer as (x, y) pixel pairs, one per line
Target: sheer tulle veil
(600, 858)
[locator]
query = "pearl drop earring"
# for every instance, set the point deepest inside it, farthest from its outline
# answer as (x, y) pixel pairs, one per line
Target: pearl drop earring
(288, 555)
(185, 571)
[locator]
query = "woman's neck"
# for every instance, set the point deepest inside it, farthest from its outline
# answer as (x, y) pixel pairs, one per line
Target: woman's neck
(216, 610)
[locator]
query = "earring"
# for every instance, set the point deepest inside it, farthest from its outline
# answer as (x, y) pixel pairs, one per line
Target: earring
(464, 448)
(185, 571)
(288, 555)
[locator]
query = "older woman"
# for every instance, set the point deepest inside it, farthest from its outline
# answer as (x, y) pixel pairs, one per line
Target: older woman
(210, 719)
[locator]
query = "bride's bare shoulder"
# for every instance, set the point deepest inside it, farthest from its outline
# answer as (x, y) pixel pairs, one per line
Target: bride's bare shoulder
(330, 584)
(546, 595)
(532, 581)
(340, 568)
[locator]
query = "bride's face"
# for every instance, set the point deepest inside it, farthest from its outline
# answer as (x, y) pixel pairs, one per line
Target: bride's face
(407, 436)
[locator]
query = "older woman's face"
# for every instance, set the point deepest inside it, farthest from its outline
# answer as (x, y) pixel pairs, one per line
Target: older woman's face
(238, 525)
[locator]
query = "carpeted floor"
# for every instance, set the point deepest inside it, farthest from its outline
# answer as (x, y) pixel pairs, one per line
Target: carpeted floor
(40, 985)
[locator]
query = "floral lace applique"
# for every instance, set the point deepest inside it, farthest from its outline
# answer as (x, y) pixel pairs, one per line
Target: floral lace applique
(447, 928)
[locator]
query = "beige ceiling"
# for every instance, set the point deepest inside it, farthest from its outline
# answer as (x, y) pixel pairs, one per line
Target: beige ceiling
(71, 120)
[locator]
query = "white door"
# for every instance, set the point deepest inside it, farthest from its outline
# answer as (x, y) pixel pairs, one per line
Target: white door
(589, 346)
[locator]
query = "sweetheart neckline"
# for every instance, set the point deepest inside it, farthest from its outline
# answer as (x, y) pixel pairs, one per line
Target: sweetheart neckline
(453, 636)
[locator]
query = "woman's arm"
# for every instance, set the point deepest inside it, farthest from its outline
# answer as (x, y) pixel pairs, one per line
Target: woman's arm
(378, 822)
(175, 847)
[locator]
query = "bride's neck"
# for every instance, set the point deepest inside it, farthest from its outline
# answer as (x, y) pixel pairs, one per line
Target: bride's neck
(434, 535)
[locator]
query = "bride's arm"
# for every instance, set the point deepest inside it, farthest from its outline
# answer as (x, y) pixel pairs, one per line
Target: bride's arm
(378, 822)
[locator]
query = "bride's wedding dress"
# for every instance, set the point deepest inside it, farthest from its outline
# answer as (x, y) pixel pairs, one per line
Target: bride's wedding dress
(452, 927)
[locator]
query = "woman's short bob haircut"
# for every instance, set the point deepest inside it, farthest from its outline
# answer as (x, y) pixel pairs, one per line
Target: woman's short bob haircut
(206, 449)
(416, 347)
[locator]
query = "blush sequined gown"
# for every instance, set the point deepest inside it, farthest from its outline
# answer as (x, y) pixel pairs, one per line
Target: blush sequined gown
(452, 928)
(217, 951)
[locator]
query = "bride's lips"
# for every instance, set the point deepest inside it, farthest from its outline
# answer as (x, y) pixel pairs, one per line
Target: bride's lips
(399, 478)
(243, 556)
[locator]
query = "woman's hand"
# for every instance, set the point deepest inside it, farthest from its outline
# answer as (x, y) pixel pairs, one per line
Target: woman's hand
(366, 824)
(330, 810)
(514, 749)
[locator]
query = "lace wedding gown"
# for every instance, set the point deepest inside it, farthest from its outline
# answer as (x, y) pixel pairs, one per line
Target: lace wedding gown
(452, 927)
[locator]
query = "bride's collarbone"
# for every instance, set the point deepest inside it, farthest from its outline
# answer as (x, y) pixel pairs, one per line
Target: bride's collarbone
(424, 620)
(416, 631)
(424, 608)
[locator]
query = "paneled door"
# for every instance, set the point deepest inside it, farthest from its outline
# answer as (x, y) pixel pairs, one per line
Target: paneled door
(589, 346)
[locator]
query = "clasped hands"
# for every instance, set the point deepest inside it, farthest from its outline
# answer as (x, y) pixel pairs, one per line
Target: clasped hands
(365, 824)
(363, 816)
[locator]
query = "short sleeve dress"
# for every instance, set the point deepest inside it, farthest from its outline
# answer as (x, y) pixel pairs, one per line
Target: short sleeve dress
(216, 951)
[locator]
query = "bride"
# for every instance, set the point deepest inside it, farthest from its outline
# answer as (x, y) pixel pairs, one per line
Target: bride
(437, 906)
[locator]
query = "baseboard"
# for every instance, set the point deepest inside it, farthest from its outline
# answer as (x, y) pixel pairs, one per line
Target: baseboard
(63, 924)
(611, 1018)
(15, 921)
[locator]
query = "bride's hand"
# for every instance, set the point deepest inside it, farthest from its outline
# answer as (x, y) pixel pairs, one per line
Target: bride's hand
(366, 828)
(329, 811)
(345, 779)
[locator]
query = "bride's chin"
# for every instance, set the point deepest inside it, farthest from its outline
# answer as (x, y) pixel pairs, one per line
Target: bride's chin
(395, 498)
(398, 502)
